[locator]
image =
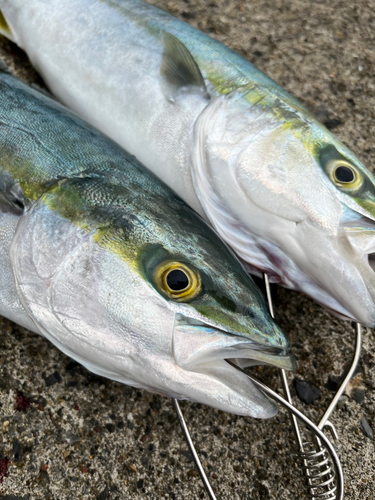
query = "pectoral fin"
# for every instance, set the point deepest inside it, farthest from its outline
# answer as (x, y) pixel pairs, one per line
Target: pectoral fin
(178, 68)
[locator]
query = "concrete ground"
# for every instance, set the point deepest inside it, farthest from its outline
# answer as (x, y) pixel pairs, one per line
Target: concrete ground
(68, 434)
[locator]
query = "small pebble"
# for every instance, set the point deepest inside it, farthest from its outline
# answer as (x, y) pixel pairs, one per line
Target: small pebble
(366, 429)
(332, 383)
(306, 392)
(193, 473)
(104, 494)
(54, 378)
(358, 395)
(17, 450)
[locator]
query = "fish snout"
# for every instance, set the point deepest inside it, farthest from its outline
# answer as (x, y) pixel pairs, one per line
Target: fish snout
(196, 343)
(200, 351)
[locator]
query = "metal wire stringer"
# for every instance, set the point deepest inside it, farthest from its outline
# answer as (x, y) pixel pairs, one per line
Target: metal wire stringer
(328, 448)
(323, 482)
(318, 455)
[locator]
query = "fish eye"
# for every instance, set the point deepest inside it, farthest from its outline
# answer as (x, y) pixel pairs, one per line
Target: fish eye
(344, 175)
(178, 280)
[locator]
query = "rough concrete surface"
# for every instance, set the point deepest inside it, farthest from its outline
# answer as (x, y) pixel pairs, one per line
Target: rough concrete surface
(65, 433)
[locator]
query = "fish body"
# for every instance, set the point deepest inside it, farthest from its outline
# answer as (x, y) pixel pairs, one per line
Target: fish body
(279, 188)
(112, 267)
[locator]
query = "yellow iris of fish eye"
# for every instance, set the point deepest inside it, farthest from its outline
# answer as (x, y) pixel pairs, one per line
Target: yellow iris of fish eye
(333, 167)
(194, 282)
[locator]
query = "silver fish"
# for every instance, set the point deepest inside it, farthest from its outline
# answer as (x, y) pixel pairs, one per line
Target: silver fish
(279, 188)
(101, 258)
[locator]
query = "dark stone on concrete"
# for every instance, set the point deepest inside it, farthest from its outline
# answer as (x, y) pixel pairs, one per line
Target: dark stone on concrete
(72, 366)
(17, 450)
(187, 454)
(358, 395)
(54, 378)
(140, 483)
(332, 123)
(332, 383)
(4, 465)
(306, 392)
(366, 429)
(104, 494)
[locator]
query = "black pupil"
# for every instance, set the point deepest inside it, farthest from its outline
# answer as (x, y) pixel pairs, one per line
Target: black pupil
(344, 174)
(177, 280)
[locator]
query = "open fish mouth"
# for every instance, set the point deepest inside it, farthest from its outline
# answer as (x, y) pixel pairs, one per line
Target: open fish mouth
(201, 350)
(371, 260)
(208, 344)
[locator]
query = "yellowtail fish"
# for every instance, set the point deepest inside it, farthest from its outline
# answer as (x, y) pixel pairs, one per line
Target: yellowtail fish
(106, 262)
(279, 188)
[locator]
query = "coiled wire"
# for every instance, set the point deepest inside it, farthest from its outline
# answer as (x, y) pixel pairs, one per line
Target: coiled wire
(318, 469)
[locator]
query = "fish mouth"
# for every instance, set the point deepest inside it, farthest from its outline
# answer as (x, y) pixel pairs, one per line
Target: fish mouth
(361, 235)
(201, 351)
(371, 260)
(357, 245)
(218, 344)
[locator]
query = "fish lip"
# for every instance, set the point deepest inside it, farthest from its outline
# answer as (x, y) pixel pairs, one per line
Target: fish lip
(279, 357)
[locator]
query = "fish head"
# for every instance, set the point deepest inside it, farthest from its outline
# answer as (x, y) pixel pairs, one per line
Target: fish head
(288, 197)
(139, 289)
(218, 314)
(212, 311)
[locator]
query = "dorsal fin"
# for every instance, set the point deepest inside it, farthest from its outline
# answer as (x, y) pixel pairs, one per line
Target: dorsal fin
(178, 68)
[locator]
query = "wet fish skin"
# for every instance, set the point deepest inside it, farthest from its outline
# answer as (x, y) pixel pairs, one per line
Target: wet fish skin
(85, 236)
(242, 152)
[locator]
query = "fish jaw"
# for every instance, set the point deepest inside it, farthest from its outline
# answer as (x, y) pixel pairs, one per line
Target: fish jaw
(200, 351)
